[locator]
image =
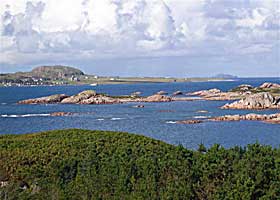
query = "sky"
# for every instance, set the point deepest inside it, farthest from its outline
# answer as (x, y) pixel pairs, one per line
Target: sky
(181, 38)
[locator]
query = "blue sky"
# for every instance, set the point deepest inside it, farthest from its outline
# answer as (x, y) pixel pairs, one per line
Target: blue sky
(182, 38)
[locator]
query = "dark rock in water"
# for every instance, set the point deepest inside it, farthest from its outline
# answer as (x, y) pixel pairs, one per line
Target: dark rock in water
(58, 114)
(189, 121)
(139, 106)
(57, 98)
(177, 93)
(263, 100)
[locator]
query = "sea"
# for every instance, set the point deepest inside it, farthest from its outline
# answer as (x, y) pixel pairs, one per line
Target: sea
(155, 120)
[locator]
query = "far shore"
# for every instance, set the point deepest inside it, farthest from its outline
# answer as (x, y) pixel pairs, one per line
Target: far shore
(127, 80)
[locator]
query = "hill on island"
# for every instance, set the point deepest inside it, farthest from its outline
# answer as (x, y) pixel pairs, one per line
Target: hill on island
(44, 75)
(80, 164)
(55, 72)
(50, 72)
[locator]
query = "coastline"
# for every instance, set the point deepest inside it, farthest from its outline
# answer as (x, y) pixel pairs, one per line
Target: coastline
(131, 81)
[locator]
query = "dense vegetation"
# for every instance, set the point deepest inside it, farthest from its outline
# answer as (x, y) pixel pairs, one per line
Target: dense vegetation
(79, 164)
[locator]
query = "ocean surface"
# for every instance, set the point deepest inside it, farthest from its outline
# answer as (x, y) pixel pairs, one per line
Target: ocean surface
(155, 120)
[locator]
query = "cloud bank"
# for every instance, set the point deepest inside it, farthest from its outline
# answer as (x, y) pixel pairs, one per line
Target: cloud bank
(37, 31)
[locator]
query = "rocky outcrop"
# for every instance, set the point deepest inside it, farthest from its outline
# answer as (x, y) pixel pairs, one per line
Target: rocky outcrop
(251, 117)
(57, 98)
(263, 100)
(239, 92)
(242, 88)
(157, 98)
(244, 92)
(270, 85)
(273, 118)
(85, 97)
(79, 98)
(91, 97)
(206, 92)
(100, 99)
(216, 94)
(273, 121)
(189, 122)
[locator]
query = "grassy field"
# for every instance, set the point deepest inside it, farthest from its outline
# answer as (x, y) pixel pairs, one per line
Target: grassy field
(133, 80)
(82, 164)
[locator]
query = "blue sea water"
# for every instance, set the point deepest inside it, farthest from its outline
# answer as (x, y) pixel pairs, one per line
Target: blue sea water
(152, 120)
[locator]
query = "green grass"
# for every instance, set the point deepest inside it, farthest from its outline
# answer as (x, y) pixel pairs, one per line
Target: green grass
(82, 164)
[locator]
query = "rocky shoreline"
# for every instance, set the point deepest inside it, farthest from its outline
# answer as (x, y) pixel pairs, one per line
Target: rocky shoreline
(266, 96)
(91, 97)
(273, 118)
(259, 101)
(245, 97)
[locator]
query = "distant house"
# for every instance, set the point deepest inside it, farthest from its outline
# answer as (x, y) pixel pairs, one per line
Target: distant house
(73, 78)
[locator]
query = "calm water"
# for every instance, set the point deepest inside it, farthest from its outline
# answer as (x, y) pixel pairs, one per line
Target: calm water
(149, 121)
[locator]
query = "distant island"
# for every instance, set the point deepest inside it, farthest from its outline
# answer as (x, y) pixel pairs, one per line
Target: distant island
(65, 75)
(225, 76)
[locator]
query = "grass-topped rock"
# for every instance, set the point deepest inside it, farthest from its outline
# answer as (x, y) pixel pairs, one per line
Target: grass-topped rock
(80, 164)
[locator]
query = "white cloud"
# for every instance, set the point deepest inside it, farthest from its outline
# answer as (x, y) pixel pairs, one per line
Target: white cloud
(31, 30)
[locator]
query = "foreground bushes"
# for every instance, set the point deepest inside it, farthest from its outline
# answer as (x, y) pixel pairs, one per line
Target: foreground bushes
(79, 164)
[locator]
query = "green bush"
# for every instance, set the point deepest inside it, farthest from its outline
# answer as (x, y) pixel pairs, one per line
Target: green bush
(81, 164)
